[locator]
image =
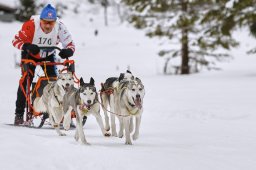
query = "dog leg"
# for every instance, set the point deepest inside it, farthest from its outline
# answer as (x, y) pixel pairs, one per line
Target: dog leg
(76, 135)
(112, 116)
(56, 122)
(121, 126)
(50, 118)
(67, 119)
(79, 126)
(131, 124)
(57, 128)
(104, 107)
(127, 131)
(100, 123)
(113, 125)
(137, 128)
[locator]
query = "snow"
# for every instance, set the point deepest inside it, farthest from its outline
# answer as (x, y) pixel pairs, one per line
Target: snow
(11, 3)
(196, 122)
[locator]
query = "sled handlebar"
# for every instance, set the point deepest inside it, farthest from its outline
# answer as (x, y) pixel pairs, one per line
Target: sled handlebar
(49, 48)
(28, 61)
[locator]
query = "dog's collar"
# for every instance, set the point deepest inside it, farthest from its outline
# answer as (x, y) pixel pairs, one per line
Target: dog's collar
(134, 110)
(83, 107)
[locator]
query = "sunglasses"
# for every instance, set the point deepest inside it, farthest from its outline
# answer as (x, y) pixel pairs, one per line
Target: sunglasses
(48, 22)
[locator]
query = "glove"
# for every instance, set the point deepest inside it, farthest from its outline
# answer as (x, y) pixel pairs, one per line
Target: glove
(32, 48)
(65, 53)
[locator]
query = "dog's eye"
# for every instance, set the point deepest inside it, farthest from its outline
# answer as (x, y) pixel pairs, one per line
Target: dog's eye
(84, 94)
(133, 89)
(63, 79)
(91, 93)
(70, 79)
(140, 89)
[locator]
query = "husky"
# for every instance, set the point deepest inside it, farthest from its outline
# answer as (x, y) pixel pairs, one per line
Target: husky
(83, 101)
(129, 106)
(51, 100)
(107, 94)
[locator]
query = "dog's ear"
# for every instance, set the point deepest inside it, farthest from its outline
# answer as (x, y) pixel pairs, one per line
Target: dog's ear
(92, 81)
(121, 77)
(81, 81)
(138, 80)
(128, 71)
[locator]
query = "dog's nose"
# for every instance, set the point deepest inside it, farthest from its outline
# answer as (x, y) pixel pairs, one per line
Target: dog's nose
(89, 101)
(137, 96)
(67, 84)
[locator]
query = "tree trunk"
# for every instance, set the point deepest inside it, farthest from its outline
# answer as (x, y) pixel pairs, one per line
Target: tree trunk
(166, 65)
(106, 16)
(119, 12)
(106, 12)
(184, 42)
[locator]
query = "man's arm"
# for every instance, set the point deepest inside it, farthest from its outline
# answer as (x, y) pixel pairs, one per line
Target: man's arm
(65, 38)
(25, 35)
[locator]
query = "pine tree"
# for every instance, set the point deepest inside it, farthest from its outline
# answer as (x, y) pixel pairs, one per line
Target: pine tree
(194, 26)
(26, 10)
(244, 15)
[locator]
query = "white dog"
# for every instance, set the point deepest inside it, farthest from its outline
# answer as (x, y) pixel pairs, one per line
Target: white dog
(107, 94)
(52, 98)
(129, 105)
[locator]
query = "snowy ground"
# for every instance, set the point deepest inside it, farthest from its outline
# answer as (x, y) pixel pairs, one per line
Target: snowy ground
(199, 122)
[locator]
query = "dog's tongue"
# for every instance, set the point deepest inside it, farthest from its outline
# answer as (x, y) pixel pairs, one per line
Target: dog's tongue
(65, 88)
(138, 103)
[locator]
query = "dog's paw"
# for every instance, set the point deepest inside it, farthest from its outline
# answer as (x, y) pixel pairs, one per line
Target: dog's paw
(135, 137)
(66, 127)
(76, 137)
(62, 134)
(86, 143)
(128, 142)
(107, 134)
(120, 135)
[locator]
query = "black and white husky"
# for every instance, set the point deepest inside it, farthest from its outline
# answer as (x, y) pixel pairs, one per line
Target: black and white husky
(107, 94)
(129, 105)
(52, 97)
(83, 101)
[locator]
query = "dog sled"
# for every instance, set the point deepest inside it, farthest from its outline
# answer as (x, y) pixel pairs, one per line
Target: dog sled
(36, 88)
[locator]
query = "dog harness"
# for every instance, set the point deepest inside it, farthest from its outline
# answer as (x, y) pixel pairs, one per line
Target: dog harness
(56, 97)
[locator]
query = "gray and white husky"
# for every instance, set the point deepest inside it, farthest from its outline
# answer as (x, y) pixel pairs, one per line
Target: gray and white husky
(107, 94)
(83, 101)
(51, 100)
(129, 104)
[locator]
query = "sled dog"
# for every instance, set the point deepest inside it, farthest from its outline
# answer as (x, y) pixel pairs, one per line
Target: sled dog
(83, 101)
(108, 91)
(129, 105)
(51, 100)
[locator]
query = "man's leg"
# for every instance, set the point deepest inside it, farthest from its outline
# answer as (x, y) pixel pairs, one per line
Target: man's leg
(21, 99)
